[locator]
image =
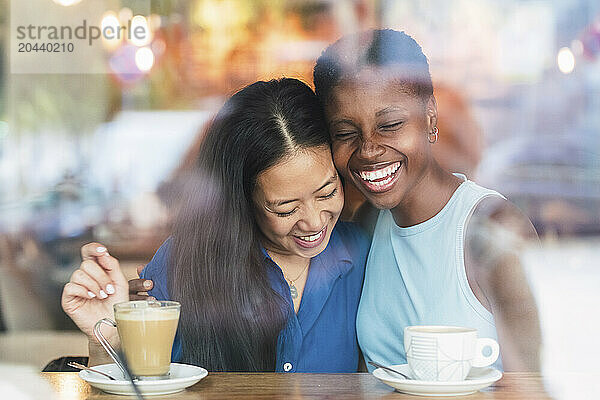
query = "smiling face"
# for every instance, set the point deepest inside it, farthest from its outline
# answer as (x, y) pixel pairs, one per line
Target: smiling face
(380, 131)
(298, 202)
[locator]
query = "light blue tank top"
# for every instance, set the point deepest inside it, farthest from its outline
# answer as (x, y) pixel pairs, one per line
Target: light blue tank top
(416, 276)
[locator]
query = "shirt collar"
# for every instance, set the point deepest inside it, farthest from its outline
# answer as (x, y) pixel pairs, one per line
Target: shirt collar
(325, 269)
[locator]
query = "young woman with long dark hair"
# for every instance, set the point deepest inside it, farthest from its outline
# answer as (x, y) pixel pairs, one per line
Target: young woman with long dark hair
(267, 277)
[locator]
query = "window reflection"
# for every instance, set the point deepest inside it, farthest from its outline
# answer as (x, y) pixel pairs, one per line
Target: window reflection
(91, 157)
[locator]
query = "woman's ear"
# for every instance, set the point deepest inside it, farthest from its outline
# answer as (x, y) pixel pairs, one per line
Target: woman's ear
(431, 112)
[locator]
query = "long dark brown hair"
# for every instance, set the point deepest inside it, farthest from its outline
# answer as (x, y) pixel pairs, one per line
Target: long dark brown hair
(231, 317)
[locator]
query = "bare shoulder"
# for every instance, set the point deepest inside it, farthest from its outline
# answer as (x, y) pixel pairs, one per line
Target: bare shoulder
(496, 212)
(497, 236)
(497, 229)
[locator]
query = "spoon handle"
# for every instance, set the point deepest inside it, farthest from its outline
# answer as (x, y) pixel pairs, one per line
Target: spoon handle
(81, 366)
(373, 363)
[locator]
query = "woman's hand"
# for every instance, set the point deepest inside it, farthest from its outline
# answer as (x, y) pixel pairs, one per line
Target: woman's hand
(138, 288)
(94, 288)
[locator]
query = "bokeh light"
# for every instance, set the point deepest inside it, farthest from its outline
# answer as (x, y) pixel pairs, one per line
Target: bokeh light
(111, 38)
(144, 59)
(565, 60)
(67, 3)
(143, 39)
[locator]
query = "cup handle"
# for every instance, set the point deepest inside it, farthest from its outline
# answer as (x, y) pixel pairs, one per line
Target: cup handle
(483, 361)
(109, 349)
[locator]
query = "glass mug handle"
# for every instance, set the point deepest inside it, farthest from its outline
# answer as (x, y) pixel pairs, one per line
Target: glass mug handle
(481, 360)
(109, 349)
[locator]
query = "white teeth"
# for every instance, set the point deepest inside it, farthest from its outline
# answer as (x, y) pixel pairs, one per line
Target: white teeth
(380, 173)
(383, 182)
(312, 238)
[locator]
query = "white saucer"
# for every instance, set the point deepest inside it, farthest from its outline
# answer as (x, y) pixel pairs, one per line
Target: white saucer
(181, 377)
(478, 378)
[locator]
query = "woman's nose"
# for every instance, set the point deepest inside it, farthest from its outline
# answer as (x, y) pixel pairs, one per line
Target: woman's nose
(369, 148)
(313, 220)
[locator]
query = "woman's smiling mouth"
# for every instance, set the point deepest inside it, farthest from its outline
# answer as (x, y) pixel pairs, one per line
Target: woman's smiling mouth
(379, 180)
(311, 241)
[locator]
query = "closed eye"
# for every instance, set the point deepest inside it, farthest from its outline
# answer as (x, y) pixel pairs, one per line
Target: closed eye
(343, 135)
(392, 126)
(285, 214)
(330, 195)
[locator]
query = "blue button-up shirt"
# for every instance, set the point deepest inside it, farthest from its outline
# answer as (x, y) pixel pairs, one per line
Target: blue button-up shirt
(321, 337)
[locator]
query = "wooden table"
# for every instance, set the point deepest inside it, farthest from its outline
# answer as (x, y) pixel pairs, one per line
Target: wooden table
(513, 386)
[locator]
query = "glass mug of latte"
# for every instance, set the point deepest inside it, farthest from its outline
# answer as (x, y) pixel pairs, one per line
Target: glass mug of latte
(147, 330)
(446, 353)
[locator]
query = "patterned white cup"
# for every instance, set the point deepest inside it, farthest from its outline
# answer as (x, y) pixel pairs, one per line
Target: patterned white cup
(446, 353)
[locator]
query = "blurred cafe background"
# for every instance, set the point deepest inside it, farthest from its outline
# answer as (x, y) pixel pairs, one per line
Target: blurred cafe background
(94, 157)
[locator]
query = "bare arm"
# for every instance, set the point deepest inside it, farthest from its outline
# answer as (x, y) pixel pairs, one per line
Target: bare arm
(496, 237)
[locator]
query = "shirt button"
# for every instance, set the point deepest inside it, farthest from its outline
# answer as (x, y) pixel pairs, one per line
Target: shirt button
(287, 367)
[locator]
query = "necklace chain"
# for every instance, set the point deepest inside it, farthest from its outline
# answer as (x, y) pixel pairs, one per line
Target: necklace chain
(293, 290)
(298, 277)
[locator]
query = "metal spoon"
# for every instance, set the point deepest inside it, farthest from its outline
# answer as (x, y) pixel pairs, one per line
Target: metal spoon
(81, 366)
(373, 363)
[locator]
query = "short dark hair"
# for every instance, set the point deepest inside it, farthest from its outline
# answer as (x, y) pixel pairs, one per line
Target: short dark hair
(378, 48)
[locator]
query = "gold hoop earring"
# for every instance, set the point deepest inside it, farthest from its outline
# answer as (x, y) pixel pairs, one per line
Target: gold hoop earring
(434, 134)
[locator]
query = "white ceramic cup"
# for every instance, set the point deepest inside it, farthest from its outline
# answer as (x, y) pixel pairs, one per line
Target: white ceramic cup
(446, 353)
